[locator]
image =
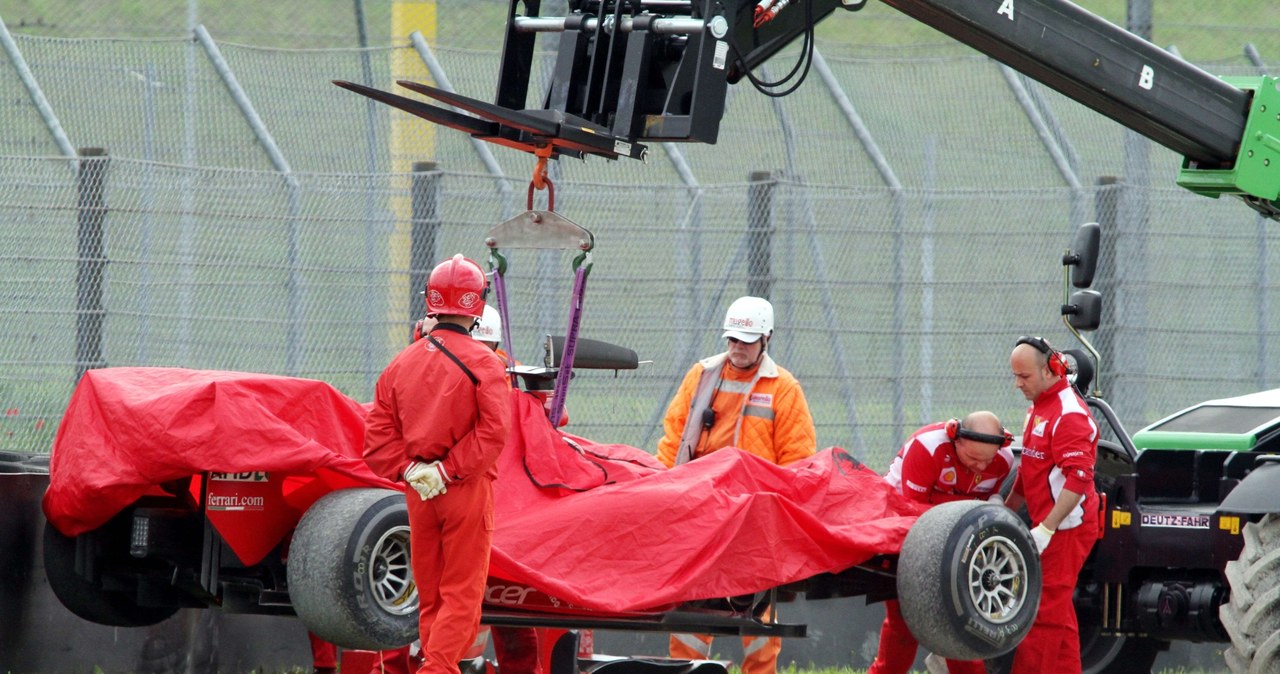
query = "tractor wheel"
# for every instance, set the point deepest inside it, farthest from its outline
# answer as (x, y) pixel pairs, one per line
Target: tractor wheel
(1252, 617)
(969, 580)
(349, 575)
(88, 599)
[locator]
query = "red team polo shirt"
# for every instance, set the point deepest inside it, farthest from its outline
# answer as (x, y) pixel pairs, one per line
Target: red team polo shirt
(1060, 445)
(927, 469)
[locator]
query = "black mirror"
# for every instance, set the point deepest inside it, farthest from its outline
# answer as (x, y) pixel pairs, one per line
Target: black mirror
(1085, 310)
(1083, 256)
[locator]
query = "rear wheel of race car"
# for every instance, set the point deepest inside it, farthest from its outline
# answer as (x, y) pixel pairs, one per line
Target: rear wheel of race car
(88, 599)
(969, 580)
(349, 575)
(1252, 616)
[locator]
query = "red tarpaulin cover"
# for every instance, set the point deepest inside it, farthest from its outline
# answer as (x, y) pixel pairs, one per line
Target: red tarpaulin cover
(601, 526)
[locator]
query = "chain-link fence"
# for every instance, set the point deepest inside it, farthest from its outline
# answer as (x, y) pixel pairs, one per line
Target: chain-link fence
(246, 214)
(1204, 32)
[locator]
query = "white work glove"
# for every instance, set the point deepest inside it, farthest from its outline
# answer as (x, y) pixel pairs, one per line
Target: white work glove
(428, 479)
(996, 498)
(1041, 535)
(934, 664)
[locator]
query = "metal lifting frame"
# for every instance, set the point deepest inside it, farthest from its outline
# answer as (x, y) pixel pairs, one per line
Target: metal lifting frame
(633, 71)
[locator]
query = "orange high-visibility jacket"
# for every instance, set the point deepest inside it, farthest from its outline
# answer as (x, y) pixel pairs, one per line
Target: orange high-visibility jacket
(762, 411)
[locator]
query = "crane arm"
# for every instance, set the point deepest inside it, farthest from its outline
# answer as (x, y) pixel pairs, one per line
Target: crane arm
(631, 72)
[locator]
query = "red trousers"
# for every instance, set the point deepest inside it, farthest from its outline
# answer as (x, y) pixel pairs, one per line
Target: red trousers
(1053, 644)
(324, 658)
(449, 536)
(898, 648)
(324, 655)
(516, 649)
(397, 661)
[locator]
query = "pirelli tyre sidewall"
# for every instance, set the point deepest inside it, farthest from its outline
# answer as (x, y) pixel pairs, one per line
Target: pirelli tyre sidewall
(348, 568)
(969, 580)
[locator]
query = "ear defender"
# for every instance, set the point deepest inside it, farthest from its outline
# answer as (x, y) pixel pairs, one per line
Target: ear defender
(1058, 365)
(956, 430)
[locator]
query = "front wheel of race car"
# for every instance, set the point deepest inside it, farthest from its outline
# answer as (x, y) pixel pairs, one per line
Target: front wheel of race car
(969, 580)
(349, 575)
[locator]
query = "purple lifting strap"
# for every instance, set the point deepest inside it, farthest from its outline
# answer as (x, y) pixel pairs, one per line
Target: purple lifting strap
(570, 345)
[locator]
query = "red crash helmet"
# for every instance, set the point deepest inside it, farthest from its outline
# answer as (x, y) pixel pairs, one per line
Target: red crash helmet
(457, 287)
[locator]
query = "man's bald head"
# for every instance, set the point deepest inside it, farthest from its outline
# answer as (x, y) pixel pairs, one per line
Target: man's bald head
(983, 421)
(976, 454)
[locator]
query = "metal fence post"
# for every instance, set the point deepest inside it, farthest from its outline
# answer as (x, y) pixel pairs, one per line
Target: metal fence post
(689, 308)
(872, 149)
(19, 63)
(481, 148)
(1138, 18)
(295, 348)
(1051, 135)
(425, 229)
(1132, 228)
(1106, 206)
(92, 262)
(760, 233)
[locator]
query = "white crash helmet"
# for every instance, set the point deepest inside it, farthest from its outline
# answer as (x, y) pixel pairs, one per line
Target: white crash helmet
(489, 327)
(748, 319)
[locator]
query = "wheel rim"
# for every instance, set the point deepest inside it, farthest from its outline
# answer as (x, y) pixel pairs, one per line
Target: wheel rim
(997, 579)
(390, 576)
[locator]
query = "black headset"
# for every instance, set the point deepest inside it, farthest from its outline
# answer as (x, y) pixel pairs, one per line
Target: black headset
(1058, 364)
(955, 429)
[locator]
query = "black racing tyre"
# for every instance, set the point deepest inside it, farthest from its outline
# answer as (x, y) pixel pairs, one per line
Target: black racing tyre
(969, 580)
(12, 463)
(349, 574)
(89, 600)
(1252, 616)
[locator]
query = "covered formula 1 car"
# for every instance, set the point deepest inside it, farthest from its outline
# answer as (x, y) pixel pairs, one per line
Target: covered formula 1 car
(174, 488)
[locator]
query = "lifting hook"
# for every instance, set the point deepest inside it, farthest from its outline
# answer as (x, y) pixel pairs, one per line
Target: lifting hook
(540, 180)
